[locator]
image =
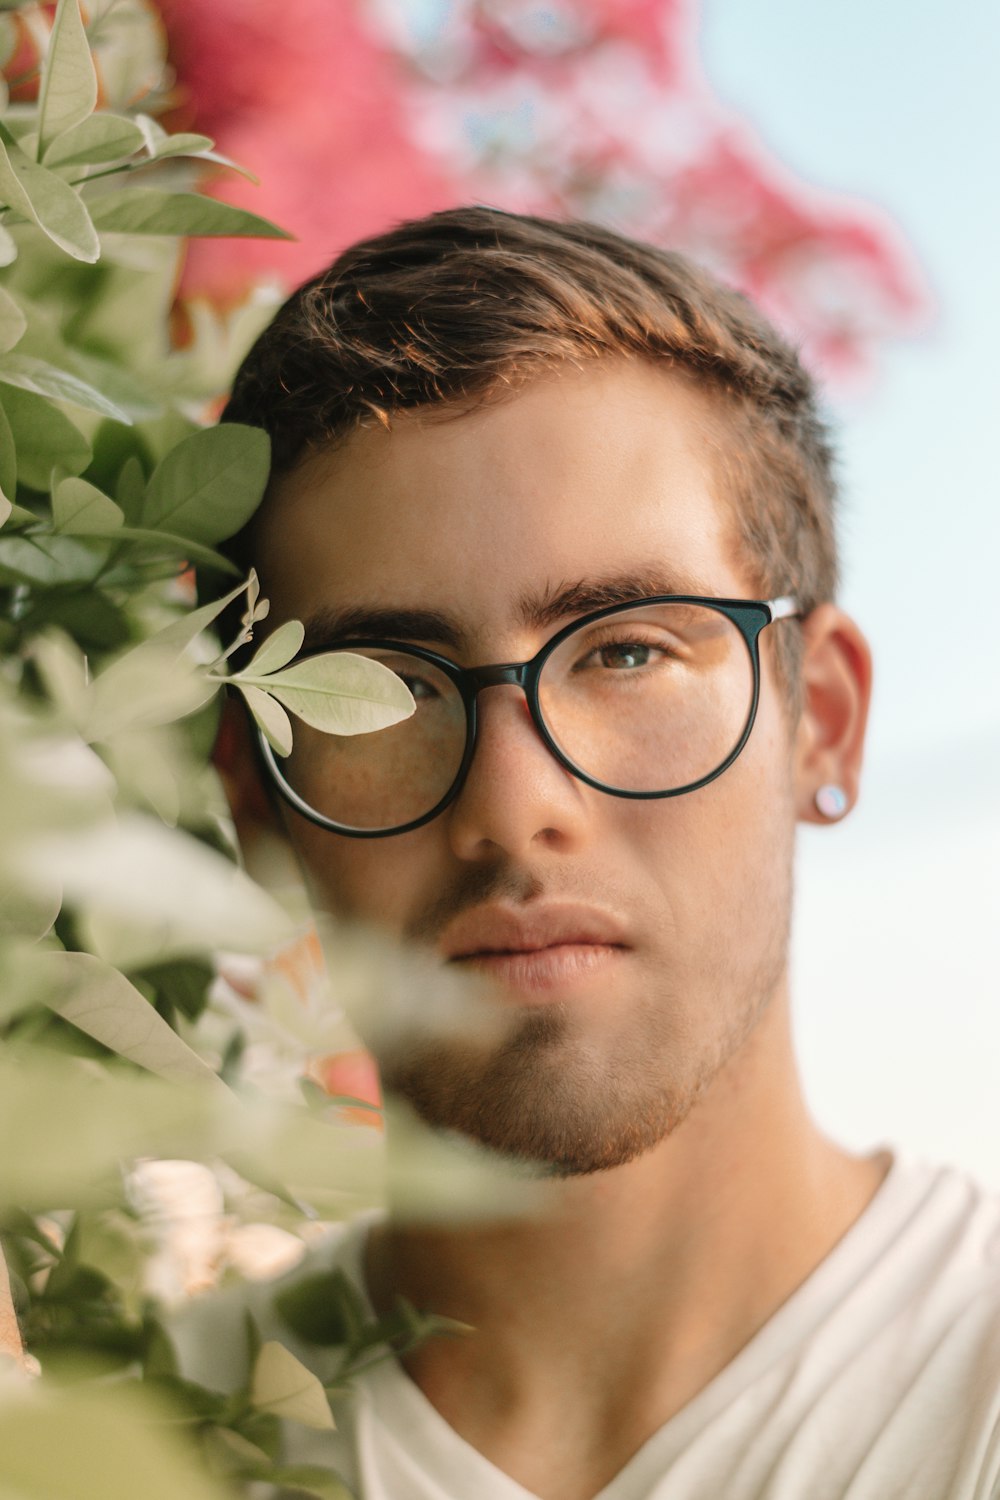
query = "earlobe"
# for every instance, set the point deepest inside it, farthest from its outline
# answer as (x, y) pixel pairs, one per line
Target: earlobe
(836, 691)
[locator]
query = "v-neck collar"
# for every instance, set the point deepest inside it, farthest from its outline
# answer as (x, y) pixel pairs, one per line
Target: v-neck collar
(398, 1405)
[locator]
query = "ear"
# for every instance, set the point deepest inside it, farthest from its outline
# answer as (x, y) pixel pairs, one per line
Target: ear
(836, 691)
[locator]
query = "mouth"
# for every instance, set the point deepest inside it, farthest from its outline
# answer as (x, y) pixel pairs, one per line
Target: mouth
(539, 970)
(541, 952)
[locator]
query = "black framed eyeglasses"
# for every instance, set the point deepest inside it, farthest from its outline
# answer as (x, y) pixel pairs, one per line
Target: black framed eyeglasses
(648, 699)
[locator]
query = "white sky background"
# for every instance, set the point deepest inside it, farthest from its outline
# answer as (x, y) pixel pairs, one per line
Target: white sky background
(897, 944)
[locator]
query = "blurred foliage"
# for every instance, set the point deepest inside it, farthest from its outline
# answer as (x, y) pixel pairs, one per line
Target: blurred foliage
(119, 876)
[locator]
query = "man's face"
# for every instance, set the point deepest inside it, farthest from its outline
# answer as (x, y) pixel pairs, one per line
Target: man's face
(635, 942)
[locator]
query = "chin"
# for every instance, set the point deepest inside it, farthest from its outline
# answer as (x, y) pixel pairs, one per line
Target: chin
(572, 1098)
(542, 1101)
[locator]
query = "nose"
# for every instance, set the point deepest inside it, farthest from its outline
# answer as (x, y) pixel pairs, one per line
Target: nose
(516, 798)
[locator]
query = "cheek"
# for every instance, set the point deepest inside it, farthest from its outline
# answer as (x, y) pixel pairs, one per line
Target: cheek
(377, 880)
(721, 857)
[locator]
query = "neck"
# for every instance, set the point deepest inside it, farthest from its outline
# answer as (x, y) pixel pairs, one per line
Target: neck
(634, 1287)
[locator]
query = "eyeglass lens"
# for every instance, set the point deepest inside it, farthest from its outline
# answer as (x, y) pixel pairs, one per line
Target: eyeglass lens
(649, 699)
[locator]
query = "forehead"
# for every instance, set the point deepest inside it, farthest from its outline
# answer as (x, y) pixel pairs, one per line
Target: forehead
(584, 473)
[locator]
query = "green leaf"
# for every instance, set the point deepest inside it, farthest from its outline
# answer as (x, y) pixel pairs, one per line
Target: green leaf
(153, 132)
(151, 893)
(8, 459)
(131, 487)
(6, 509)
(209, 484)
(183, 984)
(159, 1357)
(100, 138)
(39, 195)
(302, 1479)
(176, 546)
(279, 648)
(148, 685)
(122, 386)
(324, 1308)
(227, 161)
(128, 1113)
(47, 560)
(21, 518)
(263, 1430)
(24, 913)
(12, 321)
(160, 145)
(80, 509)
(180, 633)
(270, 716)
(99, 1000)
(37, 375)
(152, 211)
(128, 321)
(44, 437)
(282, 1385)
(256, 608)
(8, 247)
(230, 1454)
(63, 670)
(182, 144)
(114, 1241)
(68, 92)
(94, 621)
(128, 44)
(338, 692)
(92, 1440)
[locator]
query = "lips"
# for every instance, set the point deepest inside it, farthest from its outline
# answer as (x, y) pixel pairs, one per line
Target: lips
(497, 931)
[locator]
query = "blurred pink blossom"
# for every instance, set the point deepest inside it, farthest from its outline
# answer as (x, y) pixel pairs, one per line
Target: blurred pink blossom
(312, 106)
(358, 115)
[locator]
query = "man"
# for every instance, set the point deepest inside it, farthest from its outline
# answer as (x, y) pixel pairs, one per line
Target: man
(578, 466)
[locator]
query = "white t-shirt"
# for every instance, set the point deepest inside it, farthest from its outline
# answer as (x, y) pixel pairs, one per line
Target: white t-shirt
(878, 1379)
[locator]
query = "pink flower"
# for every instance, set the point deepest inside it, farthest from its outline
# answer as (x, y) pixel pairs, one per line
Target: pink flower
(358, 115)
(313, 107)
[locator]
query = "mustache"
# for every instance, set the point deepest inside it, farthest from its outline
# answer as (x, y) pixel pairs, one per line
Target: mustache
(472, 888)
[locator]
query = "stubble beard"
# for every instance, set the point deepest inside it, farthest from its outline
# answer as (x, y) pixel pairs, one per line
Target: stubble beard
(576, 1099)
(549, 1095)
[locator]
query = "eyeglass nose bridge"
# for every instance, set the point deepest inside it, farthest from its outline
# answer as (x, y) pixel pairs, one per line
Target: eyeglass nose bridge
(519, 674)
(502, 674)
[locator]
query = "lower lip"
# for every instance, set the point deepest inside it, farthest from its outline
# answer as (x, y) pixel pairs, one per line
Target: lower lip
(544, 972)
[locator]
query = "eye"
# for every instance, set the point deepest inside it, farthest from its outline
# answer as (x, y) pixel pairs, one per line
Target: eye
(420, 687)
(624, 654)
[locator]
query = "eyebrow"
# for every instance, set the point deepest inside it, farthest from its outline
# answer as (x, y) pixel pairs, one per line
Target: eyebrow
(536, 609)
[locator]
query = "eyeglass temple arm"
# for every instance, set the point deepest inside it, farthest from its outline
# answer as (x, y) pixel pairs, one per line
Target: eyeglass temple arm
(783, 608)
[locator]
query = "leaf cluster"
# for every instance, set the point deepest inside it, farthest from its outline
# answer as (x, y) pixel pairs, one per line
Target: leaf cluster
(119, 876)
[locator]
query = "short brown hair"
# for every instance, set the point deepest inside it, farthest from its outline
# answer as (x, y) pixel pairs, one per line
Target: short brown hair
(461, 307)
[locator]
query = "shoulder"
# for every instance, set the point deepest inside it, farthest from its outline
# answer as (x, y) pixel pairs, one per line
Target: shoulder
(929, 1303)
(942, 1217)
(931, 1239)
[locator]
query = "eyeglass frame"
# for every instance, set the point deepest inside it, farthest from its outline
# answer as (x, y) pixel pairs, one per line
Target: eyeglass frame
(750, 616)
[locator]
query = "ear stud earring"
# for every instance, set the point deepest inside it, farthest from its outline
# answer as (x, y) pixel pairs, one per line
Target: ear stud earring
(831, 801)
